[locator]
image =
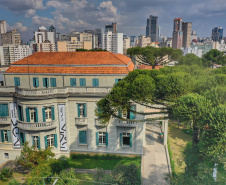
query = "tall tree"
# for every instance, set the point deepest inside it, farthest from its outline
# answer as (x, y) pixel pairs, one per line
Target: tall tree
(214, 56)
(190, 59)
(154, 56)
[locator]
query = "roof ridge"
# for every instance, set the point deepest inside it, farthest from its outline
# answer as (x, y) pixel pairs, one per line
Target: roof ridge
(115, 55)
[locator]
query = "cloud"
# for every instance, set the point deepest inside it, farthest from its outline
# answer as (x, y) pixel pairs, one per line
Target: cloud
(42, 21)
(19, 26)
(30, 13)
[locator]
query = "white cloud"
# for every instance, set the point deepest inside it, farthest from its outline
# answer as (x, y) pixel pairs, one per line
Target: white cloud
(42, 21)
(19, 26)
(30, 13)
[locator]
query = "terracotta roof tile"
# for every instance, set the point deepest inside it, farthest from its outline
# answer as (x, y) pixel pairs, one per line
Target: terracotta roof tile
(149, 67)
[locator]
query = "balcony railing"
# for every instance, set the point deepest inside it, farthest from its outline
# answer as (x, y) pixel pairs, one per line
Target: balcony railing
(5, 120)
(123, 123)
(36, 126)
(97, 123)
(81, 121)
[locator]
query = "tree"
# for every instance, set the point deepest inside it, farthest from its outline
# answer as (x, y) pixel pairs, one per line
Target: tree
(190, 59)
(214, 56)
(154, 56)
(30, 157)
(213, 143)
(194, 108)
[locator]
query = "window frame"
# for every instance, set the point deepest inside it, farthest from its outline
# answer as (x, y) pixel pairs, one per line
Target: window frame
(50, 140)
(48, 112)
(102, 138)
(17, 81)
(82, 106)
(1, 110)
(80, 134)
(95, 82)
(82, 82)
(53, 82)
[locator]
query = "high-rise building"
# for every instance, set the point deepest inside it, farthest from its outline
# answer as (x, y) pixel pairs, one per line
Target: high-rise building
(186, 28)
(217, 34)
(112, 27)
(3, 28)
(133, 40)
(112, 42)
(177, 33)
(11, 37)
(152, 28)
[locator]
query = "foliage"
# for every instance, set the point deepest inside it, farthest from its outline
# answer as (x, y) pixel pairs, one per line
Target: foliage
(5, 174)
(171, 158)
(154, 56)
(121, 175)
(214, 140)
(214, 56)
(190, 59)
(217, 95)
(59, 164)
(65, 177)
(188, 131)
(40, 172)
(14, 182)
(30, 157)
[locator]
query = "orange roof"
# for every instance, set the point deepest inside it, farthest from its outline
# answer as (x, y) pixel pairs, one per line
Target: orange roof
(149, 67)
(75, 58)
(177, 18)
(73, 62)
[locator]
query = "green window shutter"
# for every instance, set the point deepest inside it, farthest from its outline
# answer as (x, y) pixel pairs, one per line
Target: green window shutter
(27, 114)
(82, 82)
(121, 139)
(39, 146)
(97, 138)
(37, 82)
(34, 82)
(132, 115)
(6, 110)
(24, 137)
(33, 141)
(47, 84)
(78, 110)
(82, 137)
(2, 136)
(43, 115)
(46, 144)
(94, 82)
(131, 139)
(16, 81)
(21, 138)
(22, 114)
(9, 136)
(55, 141)
(53, 82)
(53, 113)
(44, 82)
(19, 112)
(120, 113)
(73, 82)
(106, 138)
(84, 109)
(116, 81)
(36, 115)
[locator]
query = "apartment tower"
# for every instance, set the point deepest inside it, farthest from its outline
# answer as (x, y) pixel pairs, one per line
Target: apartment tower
(177, 33)
(152, 28)
(186, 28)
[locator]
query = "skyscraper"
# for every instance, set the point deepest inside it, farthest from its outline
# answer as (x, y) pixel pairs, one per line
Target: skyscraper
(3, 28)
(112, 27)
(217, 33)
(186, 28)
(152, 28)
(177, 33)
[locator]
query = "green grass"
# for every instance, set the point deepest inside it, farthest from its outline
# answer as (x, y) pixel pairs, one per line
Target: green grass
(188, 131)
(105, 162)
(84, 178)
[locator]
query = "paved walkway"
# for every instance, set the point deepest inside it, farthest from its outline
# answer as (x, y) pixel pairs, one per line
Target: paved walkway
(154, 162)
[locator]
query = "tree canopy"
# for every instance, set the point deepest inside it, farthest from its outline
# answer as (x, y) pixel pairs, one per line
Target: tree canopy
(190, 59)
(214, 56)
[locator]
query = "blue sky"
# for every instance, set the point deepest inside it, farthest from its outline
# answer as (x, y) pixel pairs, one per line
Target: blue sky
(130, 15)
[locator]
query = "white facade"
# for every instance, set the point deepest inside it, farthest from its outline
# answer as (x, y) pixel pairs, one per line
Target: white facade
(195, 50)
(3, 28)
(112, 42)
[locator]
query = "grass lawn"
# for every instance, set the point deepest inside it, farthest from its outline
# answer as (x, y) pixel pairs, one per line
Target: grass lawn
(104, 162)
(178, 140)
(17, 176)
(84, 177)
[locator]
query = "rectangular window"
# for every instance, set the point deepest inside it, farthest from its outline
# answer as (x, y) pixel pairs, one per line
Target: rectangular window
(45, 82)
(20, 113)
(33, 115)
(50, 140)
(81, 110)
(4, 112)
(48, 113)
(17, 81)
(82, 82)
(72, 82)
(6, 155)
(22, 138)
(53, 82)
(35, 82)
(5, 136)
(102, 138)
(126, 139)
(95, 82)
(82, 137)
(36, 142)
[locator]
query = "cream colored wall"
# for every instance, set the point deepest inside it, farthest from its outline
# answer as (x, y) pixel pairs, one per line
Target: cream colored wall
(62, 46)
(87, 45)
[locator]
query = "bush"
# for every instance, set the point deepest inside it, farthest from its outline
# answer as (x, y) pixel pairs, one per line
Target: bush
(5, 174)
(14, 182)
(59, 164)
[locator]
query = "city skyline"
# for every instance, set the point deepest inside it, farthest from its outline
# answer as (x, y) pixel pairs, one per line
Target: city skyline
(131, 16)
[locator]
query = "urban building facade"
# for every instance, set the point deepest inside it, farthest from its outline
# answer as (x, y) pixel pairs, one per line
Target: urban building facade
(51, 103)
(152, 28)
(177, 34)
(112, 27)
(186, 28)
(112, 42)
(217, 34)
(11, 37)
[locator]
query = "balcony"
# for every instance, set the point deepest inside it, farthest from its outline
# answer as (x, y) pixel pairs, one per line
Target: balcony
(81, 121)
(97, 123)
(5, 120)
(36, 126)
(122, 123)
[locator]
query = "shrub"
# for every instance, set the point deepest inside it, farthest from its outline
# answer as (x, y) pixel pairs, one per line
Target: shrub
(59, 164)
(5, 174)
(14, 182)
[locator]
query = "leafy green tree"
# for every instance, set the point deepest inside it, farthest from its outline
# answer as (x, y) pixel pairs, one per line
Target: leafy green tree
(214, 56)
(30, 157)
(217, 95)
(194, 108)
(154, 56)
(213, 143)
(190, 59)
